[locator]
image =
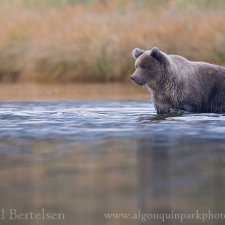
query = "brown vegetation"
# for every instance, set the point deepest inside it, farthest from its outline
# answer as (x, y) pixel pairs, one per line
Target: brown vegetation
(93, 42)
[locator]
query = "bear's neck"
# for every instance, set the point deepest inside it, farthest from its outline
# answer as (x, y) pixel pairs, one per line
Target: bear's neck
(165, 88)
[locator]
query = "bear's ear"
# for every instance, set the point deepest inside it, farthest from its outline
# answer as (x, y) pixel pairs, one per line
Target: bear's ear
(137, 52)
(157, 54)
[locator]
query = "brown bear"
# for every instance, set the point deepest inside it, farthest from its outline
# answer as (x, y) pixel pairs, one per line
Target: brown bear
(179, 84)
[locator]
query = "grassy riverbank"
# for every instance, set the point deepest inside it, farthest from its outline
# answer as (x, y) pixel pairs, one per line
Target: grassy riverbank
(91, 41)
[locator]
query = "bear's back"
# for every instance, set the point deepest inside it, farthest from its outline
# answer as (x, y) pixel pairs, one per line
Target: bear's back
(187, 67)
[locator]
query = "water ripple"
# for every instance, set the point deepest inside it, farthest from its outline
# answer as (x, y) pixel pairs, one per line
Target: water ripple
(74, 120)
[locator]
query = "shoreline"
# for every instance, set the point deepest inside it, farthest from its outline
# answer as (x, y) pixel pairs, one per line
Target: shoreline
(78, 91)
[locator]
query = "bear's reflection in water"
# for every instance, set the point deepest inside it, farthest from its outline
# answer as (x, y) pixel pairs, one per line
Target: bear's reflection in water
(179, 177)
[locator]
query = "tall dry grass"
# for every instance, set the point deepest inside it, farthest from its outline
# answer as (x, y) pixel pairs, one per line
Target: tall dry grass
(93, 42)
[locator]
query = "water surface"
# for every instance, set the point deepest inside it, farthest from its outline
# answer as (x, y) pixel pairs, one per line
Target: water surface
(90, 157)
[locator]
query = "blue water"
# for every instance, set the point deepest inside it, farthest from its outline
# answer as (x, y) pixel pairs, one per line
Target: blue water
(87, 158)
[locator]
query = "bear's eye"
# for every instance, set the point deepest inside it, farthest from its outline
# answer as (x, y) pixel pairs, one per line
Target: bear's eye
(143, 66)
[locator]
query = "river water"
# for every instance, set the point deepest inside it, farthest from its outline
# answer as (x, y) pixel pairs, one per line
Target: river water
(87, 159)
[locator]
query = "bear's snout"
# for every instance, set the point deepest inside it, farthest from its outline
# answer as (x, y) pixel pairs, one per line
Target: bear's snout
(137, 80)
(132, 77)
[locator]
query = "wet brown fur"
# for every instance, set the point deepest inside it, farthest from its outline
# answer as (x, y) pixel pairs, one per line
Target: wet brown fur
(177, 83)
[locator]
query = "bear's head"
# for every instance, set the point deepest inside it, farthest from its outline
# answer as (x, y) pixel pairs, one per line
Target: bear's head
(148, 65)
